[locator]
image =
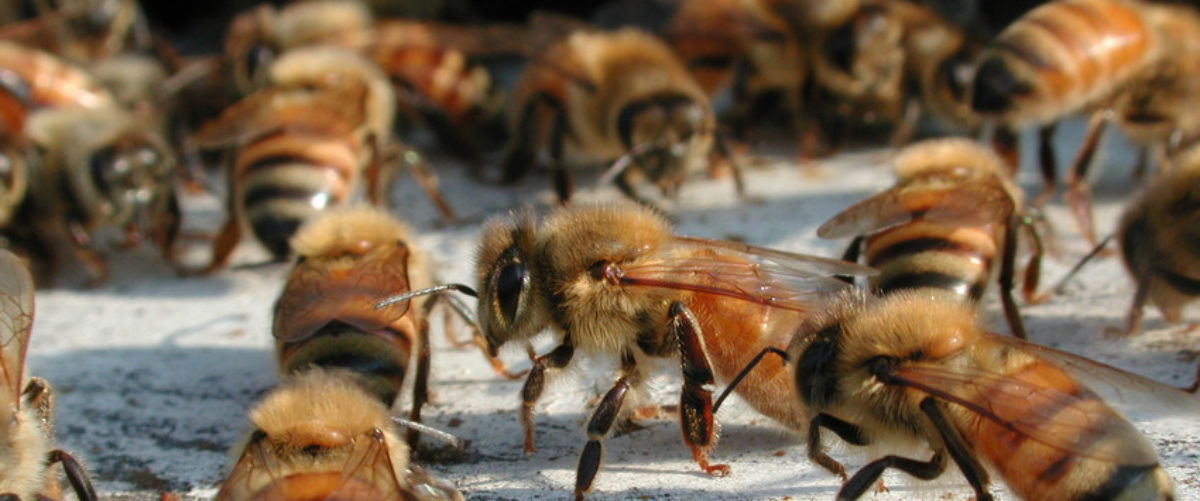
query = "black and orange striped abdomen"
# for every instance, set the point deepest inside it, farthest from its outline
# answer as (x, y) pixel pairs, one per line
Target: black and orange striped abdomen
(1060, 57)
(284, 179)
(1108, 459)
(444, 78)
(379, 359)
(924, 254)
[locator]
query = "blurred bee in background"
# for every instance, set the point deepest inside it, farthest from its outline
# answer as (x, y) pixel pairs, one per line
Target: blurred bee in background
(1125, 61)
(952, 210)
(99, 167)
(915, 366)
(84, 30)
(31, 79)
(25, 429)
(739, 47)
(612, 280)
(326, 315)
(598, 97)
(320, 436)
(305, 144)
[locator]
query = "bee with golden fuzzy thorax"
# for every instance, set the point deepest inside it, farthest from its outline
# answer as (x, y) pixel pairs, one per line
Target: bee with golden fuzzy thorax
(31, 79)
(326, 315)
(25, 411)
(603, 96)
(916, 366)
(952, 212)
(612, 280)
(307, 143)
(321, 436)
(1124, 61)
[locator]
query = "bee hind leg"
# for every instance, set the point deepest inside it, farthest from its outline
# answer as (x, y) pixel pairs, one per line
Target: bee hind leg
(695, 399)
(970, 467)
(75, 474)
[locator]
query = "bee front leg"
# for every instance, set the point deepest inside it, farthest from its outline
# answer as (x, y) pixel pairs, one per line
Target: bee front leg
(1007, 271)
(847, 431)
(535, 383)
(971, 469)
(1004, 142)
(600, 424)
(1079, 194)
(76, 475)
(463, 312)
(420, 391)
(695, 400)
(1047, 163)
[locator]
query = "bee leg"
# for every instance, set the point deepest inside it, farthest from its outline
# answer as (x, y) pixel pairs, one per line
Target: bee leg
(1007, 265)
(851, 254)
(91, 259)
(535, 383)
(564, 184)
(623, 184)
(970, 467)
(739, 182)
(420, 390)
(695, 400)
(1004, 142)
(908, 124)
(167, 230)
(1079, 194)
(1031, 278)
(600, 424)
(456, 307)
(847, 431)
(227, 239)
(869, 474)
(426, 178)
(75, 474)
(522, 157)
(1133, 323)
(1047, 164)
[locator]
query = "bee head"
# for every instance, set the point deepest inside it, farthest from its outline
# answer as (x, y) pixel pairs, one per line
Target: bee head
(509, 307)
(665, 134)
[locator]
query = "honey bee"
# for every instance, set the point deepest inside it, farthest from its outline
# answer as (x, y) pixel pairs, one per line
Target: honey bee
(1118, 60)
(613, 280)
(1157, 241)
(326, 315)
(99, 167)
(915, 366)
(26, 433)
(952, 210)
(321, 436)
(84, 30)
(739, 46)
(305, 144)
(31, 79)
(605, 96)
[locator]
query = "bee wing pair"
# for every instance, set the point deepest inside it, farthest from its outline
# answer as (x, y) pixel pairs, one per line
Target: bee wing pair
(314, 299)
(1074, 423)
(776, 278)
(964, 204)
(323, 111)
(16, 322)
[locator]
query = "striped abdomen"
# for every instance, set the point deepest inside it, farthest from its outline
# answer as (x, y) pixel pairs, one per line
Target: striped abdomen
(1060, 57)
(1109, 460)
(444, 78)
(379, 359)
(923, 254)
(282, 180)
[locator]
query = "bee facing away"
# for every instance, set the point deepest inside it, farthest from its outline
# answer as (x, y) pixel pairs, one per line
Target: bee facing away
(951, 212)
(99, 167)
(27, 454)
(915, 366)
(320, 436)
(1158, 241)
(308, 142)
(31, 79)
(595, 97)
(612, 280)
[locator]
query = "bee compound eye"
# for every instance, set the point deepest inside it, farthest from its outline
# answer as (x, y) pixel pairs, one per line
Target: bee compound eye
(510, 283)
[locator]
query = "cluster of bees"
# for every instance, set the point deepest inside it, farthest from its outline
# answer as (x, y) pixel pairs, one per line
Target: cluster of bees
(103, 126)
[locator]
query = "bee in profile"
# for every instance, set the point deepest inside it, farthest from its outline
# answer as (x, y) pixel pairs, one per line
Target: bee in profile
(916, 366)
(952, 211)
(326, 315)
(320, 436)
(28, 439)
(99, 167)
(308, 142)
(613, 280)
(31, 79)
(740, 47)
(1118, 60)
(1158, 241)
(605, 96)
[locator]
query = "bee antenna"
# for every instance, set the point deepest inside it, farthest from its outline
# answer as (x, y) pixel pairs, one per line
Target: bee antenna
(423, 429)
(1058, 288)
(746, 370)
(627, 159)
(465, 289)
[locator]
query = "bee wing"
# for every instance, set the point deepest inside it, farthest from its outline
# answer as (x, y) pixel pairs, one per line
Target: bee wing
(776, 278)
(1067, 422)
(326, 111)
(16, 321)
(317, 295)
(967, 204)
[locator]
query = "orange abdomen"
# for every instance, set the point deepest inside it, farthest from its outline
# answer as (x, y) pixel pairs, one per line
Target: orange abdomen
(923, 254)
